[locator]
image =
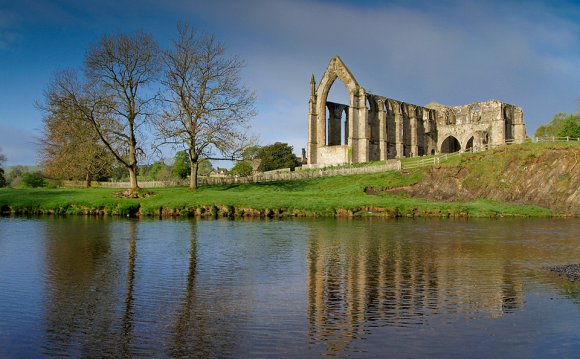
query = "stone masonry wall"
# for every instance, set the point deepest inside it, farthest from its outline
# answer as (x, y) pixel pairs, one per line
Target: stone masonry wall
(380, 128)
(390, 165)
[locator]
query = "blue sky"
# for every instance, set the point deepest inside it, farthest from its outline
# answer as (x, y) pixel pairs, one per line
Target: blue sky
(453, 52)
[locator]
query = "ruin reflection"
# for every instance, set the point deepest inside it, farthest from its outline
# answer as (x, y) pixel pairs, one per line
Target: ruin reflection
(106, 287)
(369, 277)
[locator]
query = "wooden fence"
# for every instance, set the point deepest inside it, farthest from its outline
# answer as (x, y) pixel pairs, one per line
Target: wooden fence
(390, 165)
(418, 162)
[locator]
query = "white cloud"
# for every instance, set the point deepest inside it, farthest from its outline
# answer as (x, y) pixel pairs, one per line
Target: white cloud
(456, 53)
(453, 52)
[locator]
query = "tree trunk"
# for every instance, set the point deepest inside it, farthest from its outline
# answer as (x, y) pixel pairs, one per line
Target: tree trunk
(133, 155)
(193, 176)
(88, 181)
(133, 178)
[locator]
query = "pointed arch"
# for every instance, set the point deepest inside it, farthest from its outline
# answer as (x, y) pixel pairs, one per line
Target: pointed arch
(469, 145)
(450, 145)
(336, 70)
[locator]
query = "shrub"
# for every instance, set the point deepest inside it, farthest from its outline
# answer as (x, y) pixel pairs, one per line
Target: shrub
(33, 179)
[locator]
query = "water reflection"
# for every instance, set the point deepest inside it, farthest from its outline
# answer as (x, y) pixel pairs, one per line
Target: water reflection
(110, 285)
(363, 276)
(80, 286)
(129, 312)
(199, 328)
(183, 331)
(176, 288)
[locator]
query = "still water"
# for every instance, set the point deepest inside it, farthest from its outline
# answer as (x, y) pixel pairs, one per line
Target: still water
(103, 287)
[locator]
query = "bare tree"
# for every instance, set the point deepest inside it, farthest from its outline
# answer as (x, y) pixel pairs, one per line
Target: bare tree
(208, 108)
(69, 148)
(115, 98)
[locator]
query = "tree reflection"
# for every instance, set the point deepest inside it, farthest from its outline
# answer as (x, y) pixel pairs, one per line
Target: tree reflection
(200, 328)
(128, 316)
(80, 287)
(184, 338)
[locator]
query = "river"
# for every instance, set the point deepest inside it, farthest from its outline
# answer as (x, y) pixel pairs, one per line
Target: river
(109, 287)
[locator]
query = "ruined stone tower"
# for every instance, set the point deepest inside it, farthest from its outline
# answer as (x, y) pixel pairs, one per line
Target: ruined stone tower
(379, 128)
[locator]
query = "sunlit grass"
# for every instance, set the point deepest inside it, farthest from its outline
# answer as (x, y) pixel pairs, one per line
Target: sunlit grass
(329, 196)
(340, 195)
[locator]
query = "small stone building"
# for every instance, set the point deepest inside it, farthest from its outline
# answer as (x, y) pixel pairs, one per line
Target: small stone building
(372, 127)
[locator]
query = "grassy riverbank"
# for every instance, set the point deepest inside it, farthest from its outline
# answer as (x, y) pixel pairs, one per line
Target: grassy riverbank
(331, 196)
(544, 174)
(542, 178)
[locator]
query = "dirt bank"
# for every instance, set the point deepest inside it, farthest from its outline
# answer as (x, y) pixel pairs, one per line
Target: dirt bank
(543, 175)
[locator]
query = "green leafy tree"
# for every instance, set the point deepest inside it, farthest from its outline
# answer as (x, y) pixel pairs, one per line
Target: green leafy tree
(181, 165)
(156, 169)
(251, 152)
(205, 167)
(151, 171)
(242, 169)
(14, 176)
(2, 177)
(33, 179)
(276, 156)
(570, 127)
(562, 125)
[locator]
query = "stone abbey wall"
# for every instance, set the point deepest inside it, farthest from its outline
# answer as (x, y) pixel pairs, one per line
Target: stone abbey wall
(380, 128)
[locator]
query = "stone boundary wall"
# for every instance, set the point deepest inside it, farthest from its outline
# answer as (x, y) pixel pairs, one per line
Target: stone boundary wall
(390, 165)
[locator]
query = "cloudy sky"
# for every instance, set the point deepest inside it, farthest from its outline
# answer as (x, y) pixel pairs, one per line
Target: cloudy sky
(453, 52)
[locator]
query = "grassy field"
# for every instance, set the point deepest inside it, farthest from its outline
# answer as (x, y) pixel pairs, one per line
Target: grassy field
(331, 196)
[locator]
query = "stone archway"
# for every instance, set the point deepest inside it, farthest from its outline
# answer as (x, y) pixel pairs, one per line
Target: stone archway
(355, 148)
(450, 145)
(469, 145)
(336, 70)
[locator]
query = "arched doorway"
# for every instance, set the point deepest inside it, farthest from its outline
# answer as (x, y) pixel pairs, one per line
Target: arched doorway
(337, 126)
(342, 147)
(469, 145)
(450, 145)
(337, 114)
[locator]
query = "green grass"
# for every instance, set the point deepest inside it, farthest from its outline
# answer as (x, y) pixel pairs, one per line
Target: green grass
(330, 196)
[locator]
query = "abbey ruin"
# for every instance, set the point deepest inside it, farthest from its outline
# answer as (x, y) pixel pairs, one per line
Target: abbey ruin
(373, 128)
